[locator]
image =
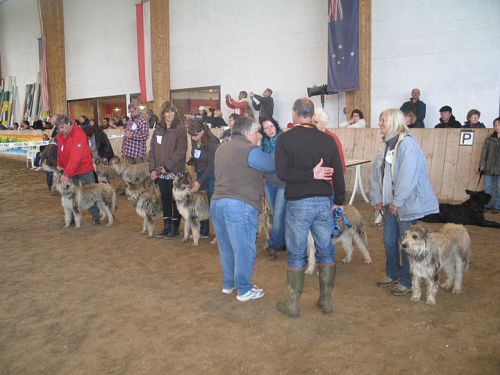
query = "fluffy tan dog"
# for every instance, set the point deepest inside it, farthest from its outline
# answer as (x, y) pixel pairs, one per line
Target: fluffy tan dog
(356, 233)
(147, 202)
(193, 207)
(448, 249)
(75, 198)
(130, 172)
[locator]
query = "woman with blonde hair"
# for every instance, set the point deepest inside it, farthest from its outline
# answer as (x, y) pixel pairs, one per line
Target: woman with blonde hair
(401, 190)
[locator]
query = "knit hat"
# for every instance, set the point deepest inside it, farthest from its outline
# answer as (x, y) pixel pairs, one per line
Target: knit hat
(446, 108)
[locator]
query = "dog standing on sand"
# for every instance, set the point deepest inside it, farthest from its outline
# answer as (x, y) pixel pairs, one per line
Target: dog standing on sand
(356, 232)
(448, 249)
(75, 198)
(193, 207)
(147, 202)
(130, 172)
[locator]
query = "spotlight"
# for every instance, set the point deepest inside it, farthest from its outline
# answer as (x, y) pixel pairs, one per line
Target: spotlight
(317, 90)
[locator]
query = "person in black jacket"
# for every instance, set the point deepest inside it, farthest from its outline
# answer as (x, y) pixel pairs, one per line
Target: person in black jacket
(265, 104)
(102, 142)
(416, 106)
(307, 159)
(447, 119)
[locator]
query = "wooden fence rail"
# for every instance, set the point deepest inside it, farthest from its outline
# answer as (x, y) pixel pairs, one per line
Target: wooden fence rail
(452, 168)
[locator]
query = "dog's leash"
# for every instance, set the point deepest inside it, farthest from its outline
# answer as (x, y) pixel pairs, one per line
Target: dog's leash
(337, 228)
(400, 235)
(481, 173)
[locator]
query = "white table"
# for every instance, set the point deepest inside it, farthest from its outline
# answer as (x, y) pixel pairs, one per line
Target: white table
(358, 182)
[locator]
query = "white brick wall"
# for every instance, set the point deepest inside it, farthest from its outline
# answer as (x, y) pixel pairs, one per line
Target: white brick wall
(244, 45)
(101, 48)
(19, 30)
(450, 49)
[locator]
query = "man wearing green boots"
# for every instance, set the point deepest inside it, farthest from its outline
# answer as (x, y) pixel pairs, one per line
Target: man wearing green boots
(307, 159)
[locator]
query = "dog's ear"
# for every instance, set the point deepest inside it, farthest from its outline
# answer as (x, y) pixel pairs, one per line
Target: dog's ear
(470, 192)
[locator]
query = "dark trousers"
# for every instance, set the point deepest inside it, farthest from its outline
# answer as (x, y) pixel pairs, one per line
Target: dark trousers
(50, 177)
(209, 187)
(132, 160)
(167, 200)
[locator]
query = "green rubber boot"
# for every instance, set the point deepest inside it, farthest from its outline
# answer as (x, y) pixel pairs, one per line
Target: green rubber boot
(326, 282)
(295, 285)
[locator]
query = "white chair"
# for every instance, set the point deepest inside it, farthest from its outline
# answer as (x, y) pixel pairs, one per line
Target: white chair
(30, 155)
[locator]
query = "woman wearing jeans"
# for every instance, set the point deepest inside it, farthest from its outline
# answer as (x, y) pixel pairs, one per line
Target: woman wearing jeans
(490, 166)
(400, 187)
(275, 190)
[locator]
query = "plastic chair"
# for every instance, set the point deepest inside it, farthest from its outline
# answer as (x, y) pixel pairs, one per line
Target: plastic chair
(30, 155)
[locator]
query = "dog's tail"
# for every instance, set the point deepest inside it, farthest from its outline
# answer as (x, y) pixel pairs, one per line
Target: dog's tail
(113, 200)
(361, 231)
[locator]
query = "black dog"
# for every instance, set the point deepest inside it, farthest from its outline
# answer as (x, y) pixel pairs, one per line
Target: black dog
(469, 212)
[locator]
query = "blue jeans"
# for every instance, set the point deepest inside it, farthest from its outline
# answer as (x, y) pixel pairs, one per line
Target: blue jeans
(235, 224)
(209, 187)
(85, 179)
(393, 233)
(491, 185)
(306, 214)
(275, 196)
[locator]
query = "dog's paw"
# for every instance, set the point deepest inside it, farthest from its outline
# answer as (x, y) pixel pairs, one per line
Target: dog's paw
(368, 261)
(347, 260)
(309, 271)
(456, 291)
(195, 244)
(65, 226)
(185, 239)
(445, 286)
(415, 298)
(430, 301)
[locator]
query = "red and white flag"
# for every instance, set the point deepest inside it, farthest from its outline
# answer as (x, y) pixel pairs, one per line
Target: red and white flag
(44, 89)
(143, 18)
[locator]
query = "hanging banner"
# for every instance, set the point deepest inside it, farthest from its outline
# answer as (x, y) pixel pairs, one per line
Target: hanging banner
(343, 45)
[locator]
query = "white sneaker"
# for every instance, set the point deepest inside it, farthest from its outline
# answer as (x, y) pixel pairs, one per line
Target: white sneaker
(228, 290)
(250, 295)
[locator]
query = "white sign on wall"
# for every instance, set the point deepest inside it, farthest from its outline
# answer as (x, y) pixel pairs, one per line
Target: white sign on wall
(466, 138)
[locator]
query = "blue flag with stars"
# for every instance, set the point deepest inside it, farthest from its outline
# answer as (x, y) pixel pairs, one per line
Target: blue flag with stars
(343, 45)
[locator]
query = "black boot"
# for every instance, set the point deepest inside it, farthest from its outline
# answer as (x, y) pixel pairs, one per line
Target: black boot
(174, 230)
(167, 223)
(326, 282)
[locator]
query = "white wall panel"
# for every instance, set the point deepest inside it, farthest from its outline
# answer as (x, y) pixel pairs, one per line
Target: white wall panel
(450, 49)
(101, 48)
(19, 30)
(243, 45)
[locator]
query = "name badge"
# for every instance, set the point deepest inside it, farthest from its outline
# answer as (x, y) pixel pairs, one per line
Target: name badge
(134, 126)
(158, 139)
(62, 148)
(197, 153)
(389, 157)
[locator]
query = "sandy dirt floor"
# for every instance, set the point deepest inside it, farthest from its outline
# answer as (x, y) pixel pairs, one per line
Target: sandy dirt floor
(107, 300)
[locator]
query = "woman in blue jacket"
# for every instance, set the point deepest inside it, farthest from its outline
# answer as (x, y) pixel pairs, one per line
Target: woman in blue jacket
(401, 189)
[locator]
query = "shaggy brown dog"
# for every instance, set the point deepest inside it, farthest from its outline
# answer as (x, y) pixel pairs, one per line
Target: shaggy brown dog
(356, 233)
(448, 249)
(75, 198)
(147, 202)
(193, 207)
